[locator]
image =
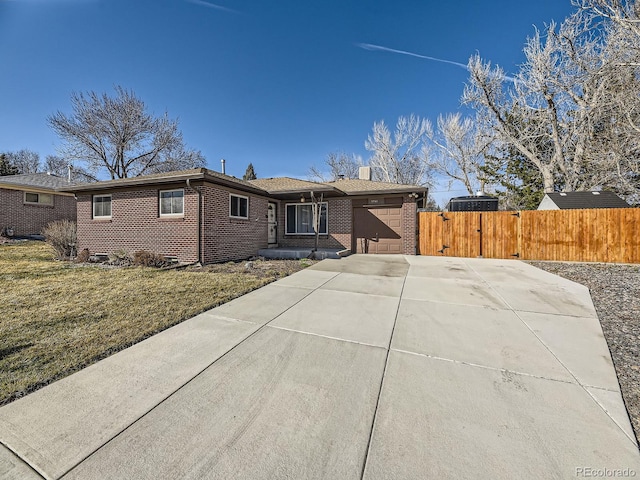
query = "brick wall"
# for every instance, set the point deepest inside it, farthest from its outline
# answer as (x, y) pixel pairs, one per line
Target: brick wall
(339, 227)
(135, 224)
(226, 238)
(409, 226)
(27, 219)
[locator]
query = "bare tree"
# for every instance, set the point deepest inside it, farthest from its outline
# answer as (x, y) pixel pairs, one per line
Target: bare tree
(60, 167)
(25, 161)
(459, 151)
(117, 134)
(617, 116)
(625, 13)
(337, 165)
(404, 157)
(563, 110)
(544, 111)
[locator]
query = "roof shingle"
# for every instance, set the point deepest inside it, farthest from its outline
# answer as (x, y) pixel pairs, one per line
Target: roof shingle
(577, 200)
(36, 180)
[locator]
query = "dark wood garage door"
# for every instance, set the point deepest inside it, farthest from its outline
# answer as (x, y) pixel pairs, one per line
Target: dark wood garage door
(377, 230)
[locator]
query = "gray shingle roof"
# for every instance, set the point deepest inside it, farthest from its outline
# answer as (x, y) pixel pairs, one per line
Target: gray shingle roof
(169, 177)
(289, 185)
(576, 200)
(356, 186)
(274, 186)
(35, 180)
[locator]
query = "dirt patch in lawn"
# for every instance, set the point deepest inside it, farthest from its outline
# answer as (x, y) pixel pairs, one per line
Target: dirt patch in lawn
(57, 318)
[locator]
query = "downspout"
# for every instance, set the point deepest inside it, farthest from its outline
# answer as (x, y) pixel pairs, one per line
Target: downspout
(199, 222)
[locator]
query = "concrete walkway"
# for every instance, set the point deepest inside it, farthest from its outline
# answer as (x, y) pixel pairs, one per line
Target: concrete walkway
(370, 367)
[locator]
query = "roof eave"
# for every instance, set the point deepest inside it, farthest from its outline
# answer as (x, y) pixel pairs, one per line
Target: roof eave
(134, 182)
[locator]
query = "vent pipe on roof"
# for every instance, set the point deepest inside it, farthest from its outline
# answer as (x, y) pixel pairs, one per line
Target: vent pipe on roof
(69, 168)
(222, 161)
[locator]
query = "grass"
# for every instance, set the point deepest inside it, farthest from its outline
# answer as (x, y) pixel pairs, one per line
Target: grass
(57, 318)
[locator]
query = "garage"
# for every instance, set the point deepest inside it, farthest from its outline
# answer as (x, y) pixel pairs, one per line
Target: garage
(377, 229)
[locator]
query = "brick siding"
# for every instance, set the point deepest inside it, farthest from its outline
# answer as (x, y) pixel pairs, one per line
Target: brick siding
(339, 227)
(226, 238)
(27, 219)
(136, 224)
(409, 226)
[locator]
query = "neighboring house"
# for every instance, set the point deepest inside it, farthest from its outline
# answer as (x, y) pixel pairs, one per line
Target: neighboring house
(577, 200)
(29, 202)
(202, 215)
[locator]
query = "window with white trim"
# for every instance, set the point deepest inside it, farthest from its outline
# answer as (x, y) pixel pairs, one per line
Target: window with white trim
(38, 198)
(172, 202)
(238, 206)
(299, 219)
(102, 206)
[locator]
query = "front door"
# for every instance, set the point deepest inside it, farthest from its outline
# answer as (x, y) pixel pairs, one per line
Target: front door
(272, 222)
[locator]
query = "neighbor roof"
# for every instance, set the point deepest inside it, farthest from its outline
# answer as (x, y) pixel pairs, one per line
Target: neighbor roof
(576, 200)
(45, 181)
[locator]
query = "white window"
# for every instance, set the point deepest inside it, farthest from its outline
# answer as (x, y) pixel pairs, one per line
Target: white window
(102, 206)
(172, 202)
(300, 219)
(38, 198)
(238, 206)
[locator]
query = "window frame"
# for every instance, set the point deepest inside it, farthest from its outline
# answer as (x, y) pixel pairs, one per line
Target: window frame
(286, 218)
(38, 202)
(93, 207)
(174, 215)
(231, 195)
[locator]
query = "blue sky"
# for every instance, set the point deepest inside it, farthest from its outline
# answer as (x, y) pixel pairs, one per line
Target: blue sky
(277, 83)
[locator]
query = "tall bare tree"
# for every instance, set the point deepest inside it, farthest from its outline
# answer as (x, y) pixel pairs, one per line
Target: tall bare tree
(117, 134)
(25, 161)
(459, 153)
(337, 165)
(60, 167)
(618, 113)
(564, 110)
(404, 156)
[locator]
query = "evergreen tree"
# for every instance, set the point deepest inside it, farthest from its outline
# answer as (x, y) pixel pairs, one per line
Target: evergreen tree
(250, 174)
(6, 167)
(519, 184)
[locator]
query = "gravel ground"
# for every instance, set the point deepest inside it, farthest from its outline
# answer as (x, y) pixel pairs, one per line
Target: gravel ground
(615, 291)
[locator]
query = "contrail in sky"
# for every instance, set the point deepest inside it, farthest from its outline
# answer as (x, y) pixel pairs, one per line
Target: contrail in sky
(204, 3)
(379, 48)
(369, 46)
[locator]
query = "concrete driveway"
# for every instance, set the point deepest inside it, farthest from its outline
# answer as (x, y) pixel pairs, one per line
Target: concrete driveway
(371, 367)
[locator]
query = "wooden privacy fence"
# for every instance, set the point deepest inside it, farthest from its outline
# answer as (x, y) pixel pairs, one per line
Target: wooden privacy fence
(593, 235)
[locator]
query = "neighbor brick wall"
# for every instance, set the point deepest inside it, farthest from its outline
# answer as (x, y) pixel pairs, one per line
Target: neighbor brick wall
(27, 219)
(226, 238)
(135, 224)
(339, 227)
(409, 226)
